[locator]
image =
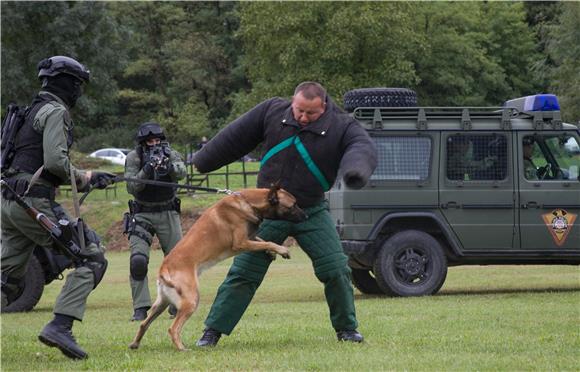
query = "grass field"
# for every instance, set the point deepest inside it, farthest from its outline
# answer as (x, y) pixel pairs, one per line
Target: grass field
(485, 318)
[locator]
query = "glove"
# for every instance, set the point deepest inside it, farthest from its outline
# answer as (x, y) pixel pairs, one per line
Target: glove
(148, 169)
(354, 179)
(101, 180)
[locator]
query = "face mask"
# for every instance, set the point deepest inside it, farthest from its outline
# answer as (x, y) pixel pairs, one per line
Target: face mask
(66, 87)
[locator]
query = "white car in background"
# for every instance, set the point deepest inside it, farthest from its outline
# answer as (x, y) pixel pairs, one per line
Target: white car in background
(114, 155)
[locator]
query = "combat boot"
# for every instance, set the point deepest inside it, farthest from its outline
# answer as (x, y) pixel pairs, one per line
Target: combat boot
(139, 314)
(349, 336)
(209, 338)
(58, 333)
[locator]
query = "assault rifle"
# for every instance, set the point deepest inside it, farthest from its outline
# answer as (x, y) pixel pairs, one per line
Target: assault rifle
(61, 234)
(10, 127)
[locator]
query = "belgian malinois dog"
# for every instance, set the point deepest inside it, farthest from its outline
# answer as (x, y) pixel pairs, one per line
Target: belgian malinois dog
(223, 230)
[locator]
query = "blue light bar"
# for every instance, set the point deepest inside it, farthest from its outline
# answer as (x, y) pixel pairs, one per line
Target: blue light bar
(537, 102)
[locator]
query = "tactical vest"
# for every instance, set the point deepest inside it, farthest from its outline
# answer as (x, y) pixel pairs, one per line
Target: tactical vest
(151, 193)
(29, 154)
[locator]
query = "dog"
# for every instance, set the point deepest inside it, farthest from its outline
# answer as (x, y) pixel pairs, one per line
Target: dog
(222, 231)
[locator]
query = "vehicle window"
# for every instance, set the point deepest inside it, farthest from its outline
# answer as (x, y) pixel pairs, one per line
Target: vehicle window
(476, 157)
(402, 158)
(101, 153)
(551, 157)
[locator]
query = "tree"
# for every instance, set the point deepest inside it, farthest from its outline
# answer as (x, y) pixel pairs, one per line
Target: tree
(342, 45)
(85, 31)
(563, 47)
(475, 54)
(182, 68)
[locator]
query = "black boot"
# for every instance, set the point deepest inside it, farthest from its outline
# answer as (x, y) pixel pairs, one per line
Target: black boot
(139, 314)
(58, 333)
(209, 338)
(350, 336)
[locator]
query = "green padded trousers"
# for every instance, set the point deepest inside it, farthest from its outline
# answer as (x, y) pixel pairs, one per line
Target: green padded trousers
(317, 237)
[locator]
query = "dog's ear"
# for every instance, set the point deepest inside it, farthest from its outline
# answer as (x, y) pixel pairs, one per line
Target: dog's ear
(273, 194)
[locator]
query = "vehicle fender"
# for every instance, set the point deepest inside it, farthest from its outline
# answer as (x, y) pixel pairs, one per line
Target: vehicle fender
(388, 218)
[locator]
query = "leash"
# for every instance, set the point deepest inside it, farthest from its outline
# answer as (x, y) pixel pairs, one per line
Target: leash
(162, 184)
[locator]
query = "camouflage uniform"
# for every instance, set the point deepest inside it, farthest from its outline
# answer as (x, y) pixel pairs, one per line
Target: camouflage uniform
(20, 234)
(160, 217)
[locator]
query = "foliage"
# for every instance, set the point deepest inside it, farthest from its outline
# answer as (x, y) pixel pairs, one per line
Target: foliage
(503, 318)
(83, 30)
(473, 53)
(563, 46)
(183, 75)
(193, 66)
(341, 45)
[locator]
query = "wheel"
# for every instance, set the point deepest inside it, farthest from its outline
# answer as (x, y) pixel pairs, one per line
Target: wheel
(410, 263)
(33, 288)
(379, 97)
(365, 282)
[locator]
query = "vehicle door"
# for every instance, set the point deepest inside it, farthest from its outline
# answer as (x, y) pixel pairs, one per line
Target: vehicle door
(549, 191)
(477, 189)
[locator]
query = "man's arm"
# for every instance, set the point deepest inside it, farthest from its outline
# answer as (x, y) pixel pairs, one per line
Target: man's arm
(54, 123)
(234, 141)
(359, 158)
(133, 170)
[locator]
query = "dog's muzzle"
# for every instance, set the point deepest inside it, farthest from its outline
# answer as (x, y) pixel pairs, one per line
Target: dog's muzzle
(296, 214)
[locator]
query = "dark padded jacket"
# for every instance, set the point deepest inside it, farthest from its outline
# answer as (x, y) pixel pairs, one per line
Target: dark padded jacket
(335, 141)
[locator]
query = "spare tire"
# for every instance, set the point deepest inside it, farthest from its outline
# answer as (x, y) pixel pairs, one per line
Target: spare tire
(33, 288)
(379, 97)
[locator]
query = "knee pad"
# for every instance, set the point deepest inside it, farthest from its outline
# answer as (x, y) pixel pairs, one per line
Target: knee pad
(138, 266)
(328, 267)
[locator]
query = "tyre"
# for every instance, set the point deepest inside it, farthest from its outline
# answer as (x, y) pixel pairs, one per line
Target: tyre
(365, 282)
(410, 263)
(379, 97)
(33, 288)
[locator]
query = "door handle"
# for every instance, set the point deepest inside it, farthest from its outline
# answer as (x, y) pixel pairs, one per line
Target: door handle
(450, 204)
(531, 205)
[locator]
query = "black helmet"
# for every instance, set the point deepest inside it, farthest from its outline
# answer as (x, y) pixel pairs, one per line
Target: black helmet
(149, 130)
(63, 65)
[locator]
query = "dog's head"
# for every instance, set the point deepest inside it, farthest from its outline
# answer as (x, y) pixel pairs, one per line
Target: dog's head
(282, 206)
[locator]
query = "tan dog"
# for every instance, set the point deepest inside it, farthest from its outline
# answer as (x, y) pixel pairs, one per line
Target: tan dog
(222, 231)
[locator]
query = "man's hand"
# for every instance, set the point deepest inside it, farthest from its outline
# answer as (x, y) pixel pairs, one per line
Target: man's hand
(354, 179)
(101, 180)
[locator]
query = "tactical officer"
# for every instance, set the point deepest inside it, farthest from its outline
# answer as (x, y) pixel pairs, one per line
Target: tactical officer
(306, 141)
(44, 141)
(155, 210)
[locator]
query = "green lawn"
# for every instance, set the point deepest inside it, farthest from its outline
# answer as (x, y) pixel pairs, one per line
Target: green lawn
(485, 318)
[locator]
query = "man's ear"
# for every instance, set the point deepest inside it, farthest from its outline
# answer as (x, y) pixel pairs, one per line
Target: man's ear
(273, 193)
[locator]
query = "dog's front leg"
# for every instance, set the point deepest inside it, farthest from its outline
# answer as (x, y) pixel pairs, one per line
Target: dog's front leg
(241, 242)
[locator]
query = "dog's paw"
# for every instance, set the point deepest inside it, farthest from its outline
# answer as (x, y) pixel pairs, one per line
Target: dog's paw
(271, 254)
(285, 254)
(133, 345)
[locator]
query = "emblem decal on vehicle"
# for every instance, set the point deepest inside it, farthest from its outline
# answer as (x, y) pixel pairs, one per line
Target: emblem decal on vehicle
(559, 223)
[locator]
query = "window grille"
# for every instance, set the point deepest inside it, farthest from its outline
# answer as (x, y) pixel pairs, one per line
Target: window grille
(402, 158)
(476, 157)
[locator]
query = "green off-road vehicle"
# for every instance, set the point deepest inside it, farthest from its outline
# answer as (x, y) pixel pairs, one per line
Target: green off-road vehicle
(458, 186)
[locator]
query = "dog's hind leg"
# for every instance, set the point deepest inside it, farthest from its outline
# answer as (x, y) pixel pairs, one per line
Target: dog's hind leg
(187, 307)
(158, 307)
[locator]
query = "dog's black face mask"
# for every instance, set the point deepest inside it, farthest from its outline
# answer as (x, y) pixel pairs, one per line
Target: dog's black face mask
(66, 87)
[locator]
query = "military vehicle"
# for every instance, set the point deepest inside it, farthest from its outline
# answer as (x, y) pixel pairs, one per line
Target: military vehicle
(458, 186)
